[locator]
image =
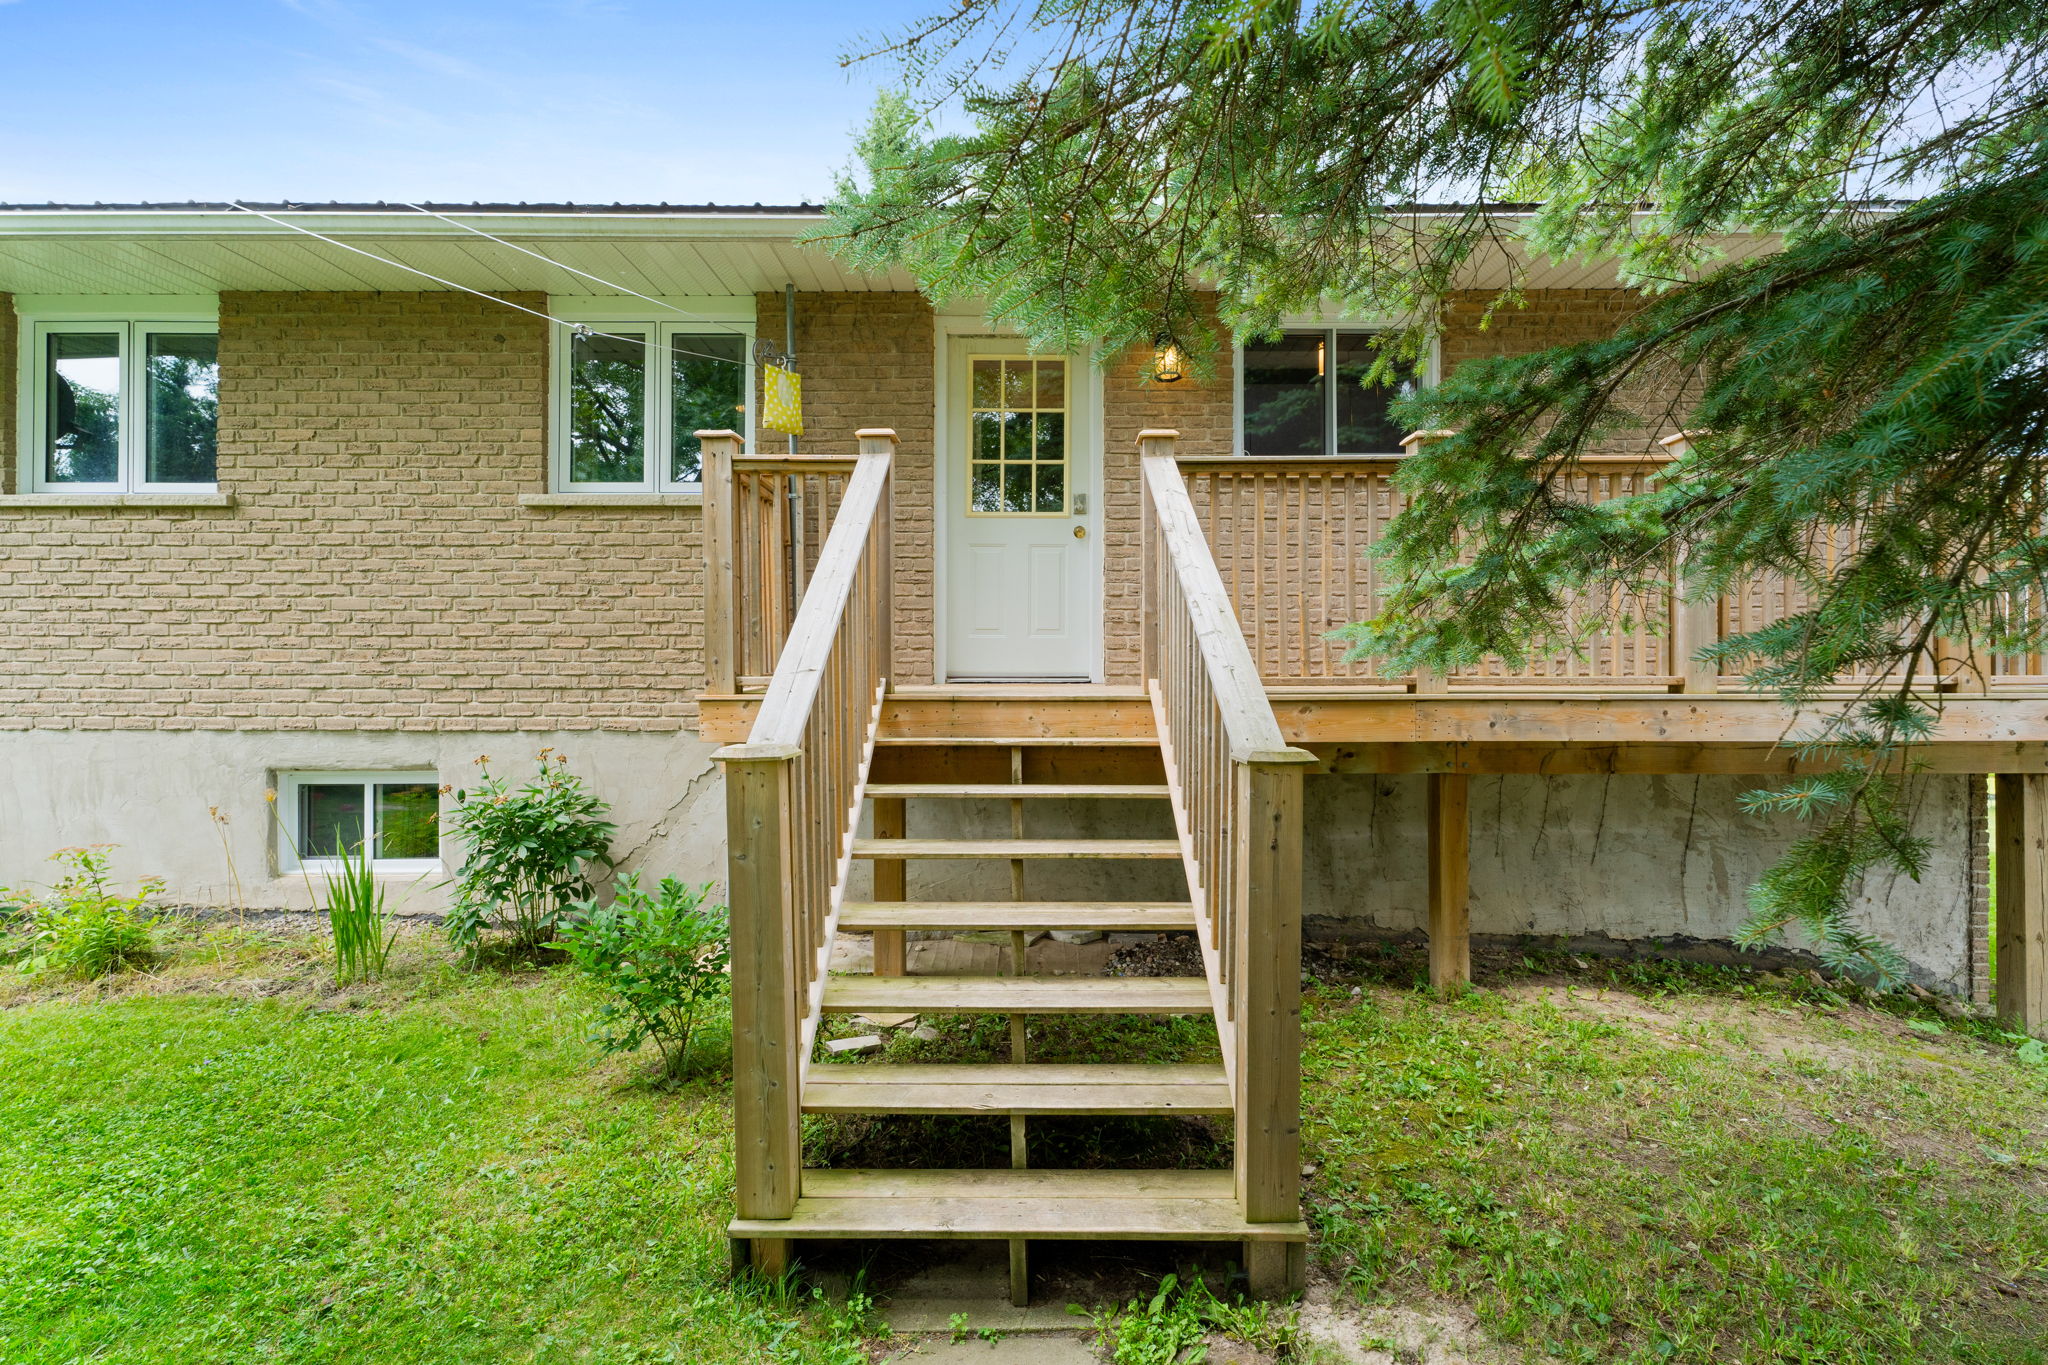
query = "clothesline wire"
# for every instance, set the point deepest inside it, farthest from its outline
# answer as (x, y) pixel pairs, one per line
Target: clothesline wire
(585, 274)
(577, 328)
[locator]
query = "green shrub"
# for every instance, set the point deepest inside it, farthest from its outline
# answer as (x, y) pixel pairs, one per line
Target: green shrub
(81, 927)
(527, 854)
(661, 957)
(356, 914)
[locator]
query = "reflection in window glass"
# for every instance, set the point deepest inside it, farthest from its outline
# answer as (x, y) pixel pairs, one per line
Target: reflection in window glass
(408, 819)
(1283, 395)
(709, 394)
(83, 378)
(1018, 426)
(183, 374)
(1297, 386)
(1365, 421)
(330, 819)
(608, 408)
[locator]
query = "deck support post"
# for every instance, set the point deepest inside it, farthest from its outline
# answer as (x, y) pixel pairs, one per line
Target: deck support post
(767, 1154)
(1450, 924)
(890, 883)
(718, 449)
(2020, 841)
(1267, 1026)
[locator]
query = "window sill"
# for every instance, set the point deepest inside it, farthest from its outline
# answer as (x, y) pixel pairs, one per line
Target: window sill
(547, 501)
(54, 501)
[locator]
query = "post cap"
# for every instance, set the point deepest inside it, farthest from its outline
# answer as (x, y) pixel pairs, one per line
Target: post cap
(1158, 434)
(876, 434)
(1416, 438)
(717, 433)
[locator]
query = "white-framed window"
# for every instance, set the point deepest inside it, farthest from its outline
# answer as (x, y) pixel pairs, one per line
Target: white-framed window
(628, 394)
(329, 815)
(126, 404)
(1299, 395)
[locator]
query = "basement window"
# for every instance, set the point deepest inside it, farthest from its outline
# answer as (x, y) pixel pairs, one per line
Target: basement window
(630, 395)
(1300, 396)
(121, 406)
(328, 816)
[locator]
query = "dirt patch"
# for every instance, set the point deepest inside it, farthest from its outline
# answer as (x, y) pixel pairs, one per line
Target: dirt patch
(1407, 1334)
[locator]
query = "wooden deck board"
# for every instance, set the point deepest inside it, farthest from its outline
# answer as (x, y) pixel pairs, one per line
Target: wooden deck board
(1154, 916)
(1049, 1205)
(1016, 848)
(1025, 791)
(1018, 994)
(1002, 1088)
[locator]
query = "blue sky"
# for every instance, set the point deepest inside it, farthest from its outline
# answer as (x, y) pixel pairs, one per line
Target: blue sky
(591, 100)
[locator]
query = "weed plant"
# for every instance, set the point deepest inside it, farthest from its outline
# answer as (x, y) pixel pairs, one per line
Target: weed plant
(357, 917)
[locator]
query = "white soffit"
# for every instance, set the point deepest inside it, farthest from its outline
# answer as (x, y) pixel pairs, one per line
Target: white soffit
(93, 252)
(73, 251)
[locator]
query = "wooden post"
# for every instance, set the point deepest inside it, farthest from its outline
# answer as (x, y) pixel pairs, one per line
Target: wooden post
(1267, 1028)
(1151, 441)
(721, 641)
(767, 1153)
(1426, 684)
(2020, 840)
(1450, 925)
(891, 957)
(1693, 624)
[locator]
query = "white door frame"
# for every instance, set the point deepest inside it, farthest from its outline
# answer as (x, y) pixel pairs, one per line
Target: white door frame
(1085, 384)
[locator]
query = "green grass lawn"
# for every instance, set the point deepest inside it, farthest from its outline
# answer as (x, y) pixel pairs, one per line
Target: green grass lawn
(231, 1160)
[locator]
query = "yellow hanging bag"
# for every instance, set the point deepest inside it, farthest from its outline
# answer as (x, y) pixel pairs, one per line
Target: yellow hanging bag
(782, 400)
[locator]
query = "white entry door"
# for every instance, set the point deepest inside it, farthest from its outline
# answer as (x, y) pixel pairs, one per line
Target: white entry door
(1021, 599)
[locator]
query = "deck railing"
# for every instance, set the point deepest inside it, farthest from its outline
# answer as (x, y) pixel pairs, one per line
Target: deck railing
(1237, 803)
(792, 795)
(765, 521)
(1293, 541)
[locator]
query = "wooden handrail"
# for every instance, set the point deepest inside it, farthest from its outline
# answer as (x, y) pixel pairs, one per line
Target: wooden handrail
(1237, 803)
(793, 794)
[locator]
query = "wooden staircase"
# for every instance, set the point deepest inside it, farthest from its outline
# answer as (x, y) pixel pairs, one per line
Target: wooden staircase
(819, 755)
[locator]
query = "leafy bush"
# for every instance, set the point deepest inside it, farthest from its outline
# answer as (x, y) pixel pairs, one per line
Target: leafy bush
(527, 854)
(355, 912)
(82, 927)
(662, 958)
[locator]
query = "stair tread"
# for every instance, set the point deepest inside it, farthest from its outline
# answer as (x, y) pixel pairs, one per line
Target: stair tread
(984, 915)
(1123, 791)
(1023, 741)
(1016, 848)
(1017, 994)
(1048, 1204)
(1042, 1088)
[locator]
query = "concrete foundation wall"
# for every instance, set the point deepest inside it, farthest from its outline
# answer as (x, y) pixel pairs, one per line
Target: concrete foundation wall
(1624, 858)
(1627, 859)
(154, 794)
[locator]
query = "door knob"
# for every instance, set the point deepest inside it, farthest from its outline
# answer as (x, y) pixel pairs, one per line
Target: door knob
(1080, 533)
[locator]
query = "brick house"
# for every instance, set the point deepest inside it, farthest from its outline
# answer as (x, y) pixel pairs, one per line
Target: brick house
(330, 501)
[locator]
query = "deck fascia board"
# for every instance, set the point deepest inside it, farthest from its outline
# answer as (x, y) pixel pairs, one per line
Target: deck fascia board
(1547, 731)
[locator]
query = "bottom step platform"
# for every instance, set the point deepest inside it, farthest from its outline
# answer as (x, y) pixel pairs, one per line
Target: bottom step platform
(1130, 1206)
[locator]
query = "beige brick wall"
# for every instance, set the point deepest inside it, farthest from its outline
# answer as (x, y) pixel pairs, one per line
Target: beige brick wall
(377, 571)
(1203, 411)
(867, 361)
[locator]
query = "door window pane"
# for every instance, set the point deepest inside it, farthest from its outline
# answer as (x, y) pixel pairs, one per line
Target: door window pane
(608, 408)
(183, 375)
(1365, 426)
(330, 819)
(408, 819)
(708, 393)
(1284, 406)
(82, 391)
(1018, 426)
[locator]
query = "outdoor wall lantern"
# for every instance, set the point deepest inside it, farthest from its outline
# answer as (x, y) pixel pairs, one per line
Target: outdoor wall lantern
(1167, 364)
